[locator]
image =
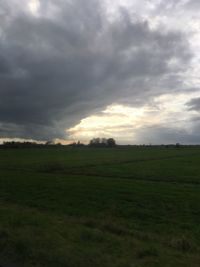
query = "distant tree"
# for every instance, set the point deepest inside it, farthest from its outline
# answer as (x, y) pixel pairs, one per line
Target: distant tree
(49, 143)
(102, 142)
(78, 144)
(58, 144)
(178, 145)
(91, 143)
(111, 142)
(95, 142)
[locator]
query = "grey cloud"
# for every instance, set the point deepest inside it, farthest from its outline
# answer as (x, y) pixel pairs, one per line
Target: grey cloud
(194, 104)
(193, 4)
(56, 70)
(168, 135)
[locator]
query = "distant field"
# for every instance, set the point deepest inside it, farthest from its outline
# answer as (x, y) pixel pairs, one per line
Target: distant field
(87, 207)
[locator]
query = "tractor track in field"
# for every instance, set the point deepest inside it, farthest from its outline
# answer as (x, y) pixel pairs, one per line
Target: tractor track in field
(83, 170)
(133, 178)
(99, 164)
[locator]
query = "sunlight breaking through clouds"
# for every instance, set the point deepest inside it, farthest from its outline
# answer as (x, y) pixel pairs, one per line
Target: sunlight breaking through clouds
(125, 122)
(124, 68)
(34, 6)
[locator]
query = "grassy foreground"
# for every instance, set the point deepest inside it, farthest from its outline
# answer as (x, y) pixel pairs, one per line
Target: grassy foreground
(81, 207)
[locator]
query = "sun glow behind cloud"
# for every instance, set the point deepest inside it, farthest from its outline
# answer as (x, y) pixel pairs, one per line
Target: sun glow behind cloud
(34, 6)
(124, 122)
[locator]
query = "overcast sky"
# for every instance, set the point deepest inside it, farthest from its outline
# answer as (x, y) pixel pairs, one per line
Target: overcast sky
(77, 69)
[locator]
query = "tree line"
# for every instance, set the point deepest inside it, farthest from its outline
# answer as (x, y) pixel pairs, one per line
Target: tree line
(95, 142)
(102, 142)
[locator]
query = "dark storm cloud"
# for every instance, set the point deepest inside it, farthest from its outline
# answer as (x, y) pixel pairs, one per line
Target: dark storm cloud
(56, 68)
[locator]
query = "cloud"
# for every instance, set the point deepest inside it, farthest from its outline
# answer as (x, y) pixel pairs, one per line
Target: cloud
(194, 104)
(165, 119)
(168, 135)
(72, 60)
(193, 4)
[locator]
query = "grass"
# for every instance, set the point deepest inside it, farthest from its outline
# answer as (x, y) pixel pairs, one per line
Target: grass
(122, 207)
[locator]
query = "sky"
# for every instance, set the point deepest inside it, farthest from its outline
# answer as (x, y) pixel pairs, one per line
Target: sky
(76, 69)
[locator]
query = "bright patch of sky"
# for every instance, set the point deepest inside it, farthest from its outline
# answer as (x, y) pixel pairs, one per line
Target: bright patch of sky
(34, 6)
(123, 122)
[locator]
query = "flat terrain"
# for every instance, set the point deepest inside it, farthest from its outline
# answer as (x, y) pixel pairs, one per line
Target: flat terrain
(86, 207)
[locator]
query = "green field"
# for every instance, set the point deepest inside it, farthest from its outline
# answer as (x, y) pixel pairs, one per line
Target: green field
(87, 207)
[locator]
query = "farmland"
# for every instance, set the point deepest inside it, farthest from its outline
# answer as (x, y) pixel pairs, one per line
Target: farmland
(108, 207)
